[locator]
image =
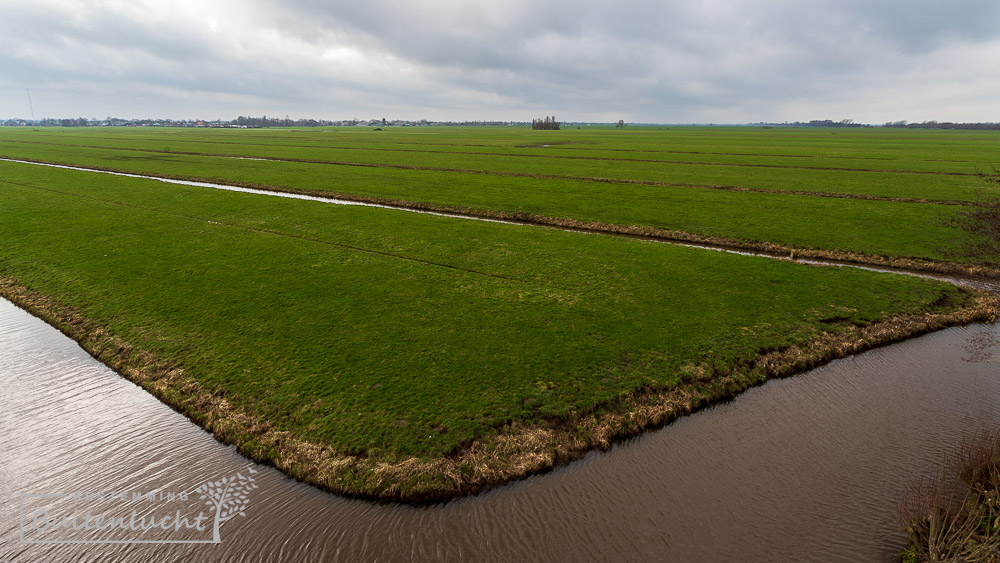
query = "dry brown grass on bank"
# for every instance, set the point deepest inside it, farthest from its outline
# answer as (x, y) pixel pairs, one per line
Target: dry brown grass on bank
(509, 453)
(957, 518)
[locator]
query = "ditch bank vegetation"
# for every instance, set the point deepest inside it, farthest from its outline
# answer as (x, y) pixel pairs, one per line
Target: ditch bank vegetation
(957, 517)
(511, 452)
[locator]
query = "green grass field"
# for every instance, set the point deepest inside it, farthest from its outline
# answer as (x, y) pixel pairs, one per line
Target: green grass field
(388, 337)
(829, 190)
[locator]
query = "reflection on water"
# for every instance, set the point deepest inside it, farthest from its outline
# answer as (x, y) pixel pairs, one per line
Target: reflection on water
(807, 468)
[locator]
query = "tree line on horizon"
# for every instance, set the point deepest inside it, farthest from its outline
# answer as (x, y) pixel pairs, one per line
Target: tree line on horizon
(943, 125)
(241, 122)
(548, 124)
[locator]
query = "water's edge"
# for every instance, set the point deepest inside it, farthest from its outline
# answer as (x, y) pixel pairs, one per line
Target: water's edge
(944, 359)
(512, 453)
(805, 468)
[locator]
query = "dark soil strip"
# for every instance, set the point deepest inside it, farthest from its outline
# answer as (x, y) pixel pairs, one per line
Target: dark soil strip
(806, 193)
(563, 145)
(563, 157)
(773, 155)
(566, 157)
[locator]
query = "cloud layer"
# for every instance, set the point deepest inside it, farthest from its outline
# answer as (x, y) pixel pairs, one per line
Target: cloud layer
(721, 61)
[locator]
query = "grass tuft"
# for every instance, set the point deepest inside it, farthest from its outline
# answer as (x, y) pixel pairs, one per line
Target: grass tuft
(956, 518)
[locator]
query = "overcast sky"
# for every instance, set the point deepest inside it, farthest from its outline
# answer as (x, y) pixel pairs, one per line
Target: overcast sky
(668, 61)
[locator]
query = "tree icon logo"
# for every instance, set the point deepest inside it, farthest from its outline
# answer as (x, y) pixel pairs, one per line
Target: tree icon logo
(229, 498)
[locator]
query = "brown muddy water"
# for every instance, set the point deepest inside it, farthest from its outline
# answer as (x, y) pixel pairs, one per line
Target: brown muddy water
(805, 468)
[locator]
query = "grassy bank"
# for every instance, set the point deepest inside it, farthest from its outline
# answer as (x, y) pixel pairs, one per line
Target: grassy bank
(400, 356)
(882, 195)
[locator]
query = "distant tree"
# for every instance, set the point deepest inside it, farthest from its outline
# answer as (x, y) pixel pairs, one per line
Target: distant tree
(944, 125)
(548, 124)
(621, 124)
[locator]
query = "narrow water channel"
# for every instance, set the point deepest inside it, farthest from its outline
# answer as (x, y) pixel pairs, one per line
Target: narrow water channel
(335, 201)
(805, 468)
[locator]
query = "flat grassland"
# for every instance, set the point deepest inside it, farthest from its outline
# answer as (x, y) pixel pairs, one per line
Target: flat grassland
(867, 195)
(403, 356)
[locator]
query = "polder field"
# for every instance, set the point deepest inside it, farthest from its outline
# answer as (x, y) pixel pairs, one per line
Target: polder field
(408, 356)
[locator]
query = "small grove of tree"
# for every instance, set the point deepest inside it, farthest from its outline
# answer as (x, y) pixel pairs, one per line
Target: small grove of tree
(831, 123)
(547, 124)
(621, 124)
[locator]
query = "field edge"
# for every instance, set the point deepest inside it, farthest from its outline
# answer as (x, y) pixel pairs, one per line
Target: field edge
(508, 454)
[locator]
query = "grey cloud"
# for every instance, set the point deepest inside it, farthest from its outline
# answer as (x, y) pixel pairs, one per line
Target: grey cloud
(646, 60)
